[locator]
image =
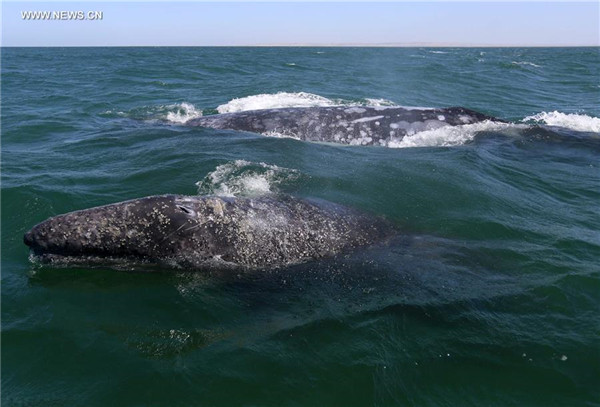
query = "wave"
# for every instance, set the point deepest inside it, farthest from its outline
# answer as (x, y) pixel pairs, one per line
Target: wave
(292, 99)
(174, 113)
(448, 136)
(246, 178)
(573, 121)
(526, 63)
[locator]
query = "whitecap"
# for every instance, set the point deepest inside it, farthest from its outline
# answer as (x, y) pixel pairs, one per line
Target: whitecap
(526, 63)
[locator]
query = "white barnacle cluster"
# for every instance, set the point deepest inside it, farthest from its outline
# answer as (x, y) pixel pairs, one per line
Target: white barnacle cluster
(357, 132)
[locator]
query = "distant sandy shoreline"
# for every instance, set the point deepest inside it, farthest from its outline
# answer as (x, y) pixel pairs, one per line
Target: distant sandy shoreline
(424, 45)
(350, 45)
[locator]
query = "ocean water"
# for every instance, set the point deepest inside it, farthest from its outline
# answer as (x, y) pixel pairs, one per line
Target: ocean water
(489, 296)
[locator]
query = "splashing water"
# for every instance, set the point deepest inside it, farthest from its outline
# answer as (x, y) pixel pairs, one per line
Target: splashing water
(289, 99)
(272, 101)
(245, 178)
(174, 113)
(450, 135)
(182, 112)
(573, 121)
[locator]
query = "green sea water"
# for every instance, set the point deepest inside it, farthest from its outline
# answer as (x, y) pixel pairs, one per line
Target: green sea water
(490, 295)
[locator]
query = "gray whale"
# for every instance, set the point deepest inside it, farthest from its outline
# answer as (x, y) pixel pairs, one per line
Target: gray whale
(356, 125)
(204, 232)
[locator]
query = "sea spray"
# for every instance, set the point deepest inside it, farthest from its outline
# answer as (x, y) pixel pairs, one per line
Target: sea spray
(448, 136)
(573, 121)
(291, 99)
(174, 113)
(245, 178)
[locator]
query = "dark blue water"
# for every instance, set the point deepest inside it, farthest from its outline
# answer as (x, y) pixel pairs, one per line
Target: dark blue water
(491, 295)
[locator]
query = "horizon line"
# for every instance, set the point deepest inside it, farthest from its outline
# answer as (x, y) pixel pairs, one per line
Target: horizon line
(313, 45)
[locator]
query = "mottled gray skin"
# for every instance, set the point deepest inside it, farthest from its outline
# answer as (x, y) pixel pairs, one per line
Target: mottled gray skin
(204, 232)
(355, 125)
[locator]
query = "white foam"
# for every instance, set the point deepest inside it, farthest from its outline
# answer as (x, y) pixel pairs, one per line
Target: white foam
(182, 112)
(294, 99)
(115, 112)
(275, 100)
(573, 121)
(525, 63)
(175, 113)
(449, 135)
(281, 134)
(379, 102)
(245, 178)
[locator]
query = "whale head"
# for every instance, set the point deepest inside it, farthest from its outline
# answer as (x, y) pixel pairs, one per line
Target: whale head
(166, 228)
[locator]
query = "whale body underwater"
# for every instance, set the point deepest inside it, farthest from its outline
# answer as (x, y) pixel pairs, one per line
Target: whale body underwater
(204, 232)
(356, 125)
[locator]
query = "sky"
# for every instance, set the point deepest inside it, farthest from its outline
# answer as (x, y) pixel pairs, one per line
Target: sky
(192, 23)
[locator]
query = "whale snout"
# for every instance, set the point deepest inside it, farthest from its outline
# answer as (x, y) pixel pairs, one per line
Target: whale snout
(47, 237)
(36, 238)
(145, 227)
(29, 238)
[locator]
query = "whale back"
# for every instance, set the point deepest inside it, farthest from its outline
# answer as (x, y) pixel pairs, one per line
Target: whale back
(356, 125)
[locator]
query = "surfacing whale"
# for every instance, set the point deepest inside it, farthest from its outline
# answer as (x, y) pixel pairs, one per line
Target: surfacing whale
(356, 125)
(211, 232)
